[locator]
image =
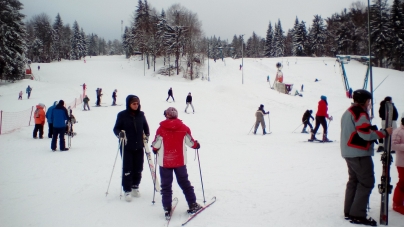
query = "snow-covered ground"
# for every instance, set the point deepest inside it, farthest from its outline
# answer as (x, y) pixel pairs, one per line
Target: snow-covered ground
(272, 180)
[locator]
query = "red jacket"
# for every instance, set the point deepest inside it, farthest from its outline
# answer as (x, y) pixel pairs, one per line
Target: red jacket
(322, 109)
(171, 138)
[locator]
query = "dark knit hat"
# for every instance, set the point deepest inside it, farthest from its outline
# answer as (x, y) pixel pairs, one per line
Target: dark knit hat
(171, 113)
(61, 102)
(323, 97)
(134, 99)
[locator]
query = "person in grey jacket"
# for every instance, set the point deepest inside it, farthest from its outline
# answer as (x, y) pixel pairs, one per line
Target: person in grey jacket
(357, 138)
(260, 119)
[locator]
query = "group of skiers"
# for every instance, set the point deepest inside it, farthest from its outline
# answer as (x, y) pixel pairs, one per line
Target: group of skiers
(357, 148)
(169, 145)
(60, 122)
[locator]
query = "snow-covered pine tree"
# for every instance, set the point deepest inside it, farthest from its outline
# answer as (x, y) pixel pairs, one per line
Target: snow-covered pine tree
(318, 36)
(65, 42)
(43, 31)
(57, 33)
(12, 41)
(268, 41)
(279, 41)
(76, 43)
(397, 41)
(380, 30)
(84, 43)
(298, 38)
(37, 49)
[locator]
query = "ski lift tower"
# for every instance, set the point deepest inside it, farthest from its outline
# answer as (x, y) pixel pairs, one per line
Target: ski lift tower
(344, 59)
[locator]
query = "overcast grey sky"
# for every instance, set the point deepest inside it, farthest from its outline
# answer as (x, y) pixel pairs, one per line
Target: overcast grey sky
(223, 18)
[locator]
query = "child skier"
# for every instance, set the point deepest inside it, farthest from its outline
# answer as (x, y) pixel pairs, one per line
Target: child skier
(20, 95)
(169, 143)
(188, 101)
(85, 101)
(170, 94)
(39, 116)
(306, 120)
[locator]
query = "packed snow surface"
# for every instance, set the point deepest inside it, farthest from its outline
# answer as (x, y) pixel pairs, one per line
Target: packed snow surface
(278, 179)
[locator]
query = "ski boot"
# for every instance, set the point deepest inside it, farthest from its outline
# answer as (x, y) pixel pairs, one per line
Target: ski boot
(325, 139)
(304, 131)
(135, 191)
(313, 137)
(363, 220)
(193, 208)
(264, 132)
(128, 197)
(167, 213)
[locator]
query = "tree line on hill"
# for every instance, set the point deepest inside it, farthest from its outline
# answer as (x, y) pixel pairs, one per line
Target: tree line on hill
(177, 36)
(344, 33)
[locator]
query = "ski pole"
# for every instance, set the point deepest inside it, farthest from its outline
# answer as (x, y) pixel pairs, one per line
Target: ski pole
(269, 124)
(113, 167)
(250, 129)
(297, 127)
(123, 153)
(155, 178)
(200, 173)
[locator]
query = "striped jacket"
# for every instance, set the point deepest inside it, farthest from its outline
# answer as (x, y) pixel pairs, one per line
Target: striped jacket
(357, 135)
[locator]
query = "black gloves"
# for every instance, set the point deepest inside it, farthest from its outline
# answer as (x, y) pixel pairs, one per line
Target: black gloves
(121, 134)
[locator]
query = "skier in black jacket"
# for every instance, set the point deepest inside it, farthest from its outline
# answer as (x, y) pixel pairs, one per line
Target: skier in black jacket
(306, 120)
(170, 94)
(134, 123)
(188, 101)
(382, 115)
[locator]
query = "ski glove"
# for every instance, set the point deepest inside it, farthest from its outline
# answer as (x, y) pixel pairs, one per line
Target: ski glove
(155, 151)
(197, 145)
(330, 118)
(121, 134)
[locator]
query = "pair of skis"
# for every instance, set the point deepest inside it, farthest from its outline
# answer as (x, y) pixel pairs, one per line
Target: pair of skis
(152, 166)
(192, 216)
(385, 187)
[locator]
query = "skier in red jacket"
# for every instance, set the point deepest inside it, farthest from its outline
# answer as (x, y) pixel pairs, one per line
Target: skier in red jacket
(169, 143)
(321, 117)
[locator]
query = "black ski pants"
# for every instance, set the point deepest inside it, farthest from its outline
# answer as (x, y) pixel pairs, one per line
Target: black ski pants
(132, 168)
(171, 97)
(61, 133)
(360, 184)
(38, 127)
(320, 120)
(50, 130)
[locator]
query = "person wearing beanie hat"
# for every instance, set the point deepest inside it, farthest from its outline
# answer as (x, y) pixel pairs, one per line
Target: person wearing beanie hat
(382, 115)
(321, 117)
(397, 144)
(59, 117)
(39, 116)
(169, 142)
(188, 101)
(306, 120)
(49, 119)
(259, 115)
(170, 94)
(357, 140)
(114, 97)
(132, 124)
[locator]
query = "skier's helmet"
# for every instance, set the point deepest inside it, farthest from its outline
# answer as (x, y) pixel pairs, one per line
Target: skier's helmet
(278, 65)
(361, 96)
